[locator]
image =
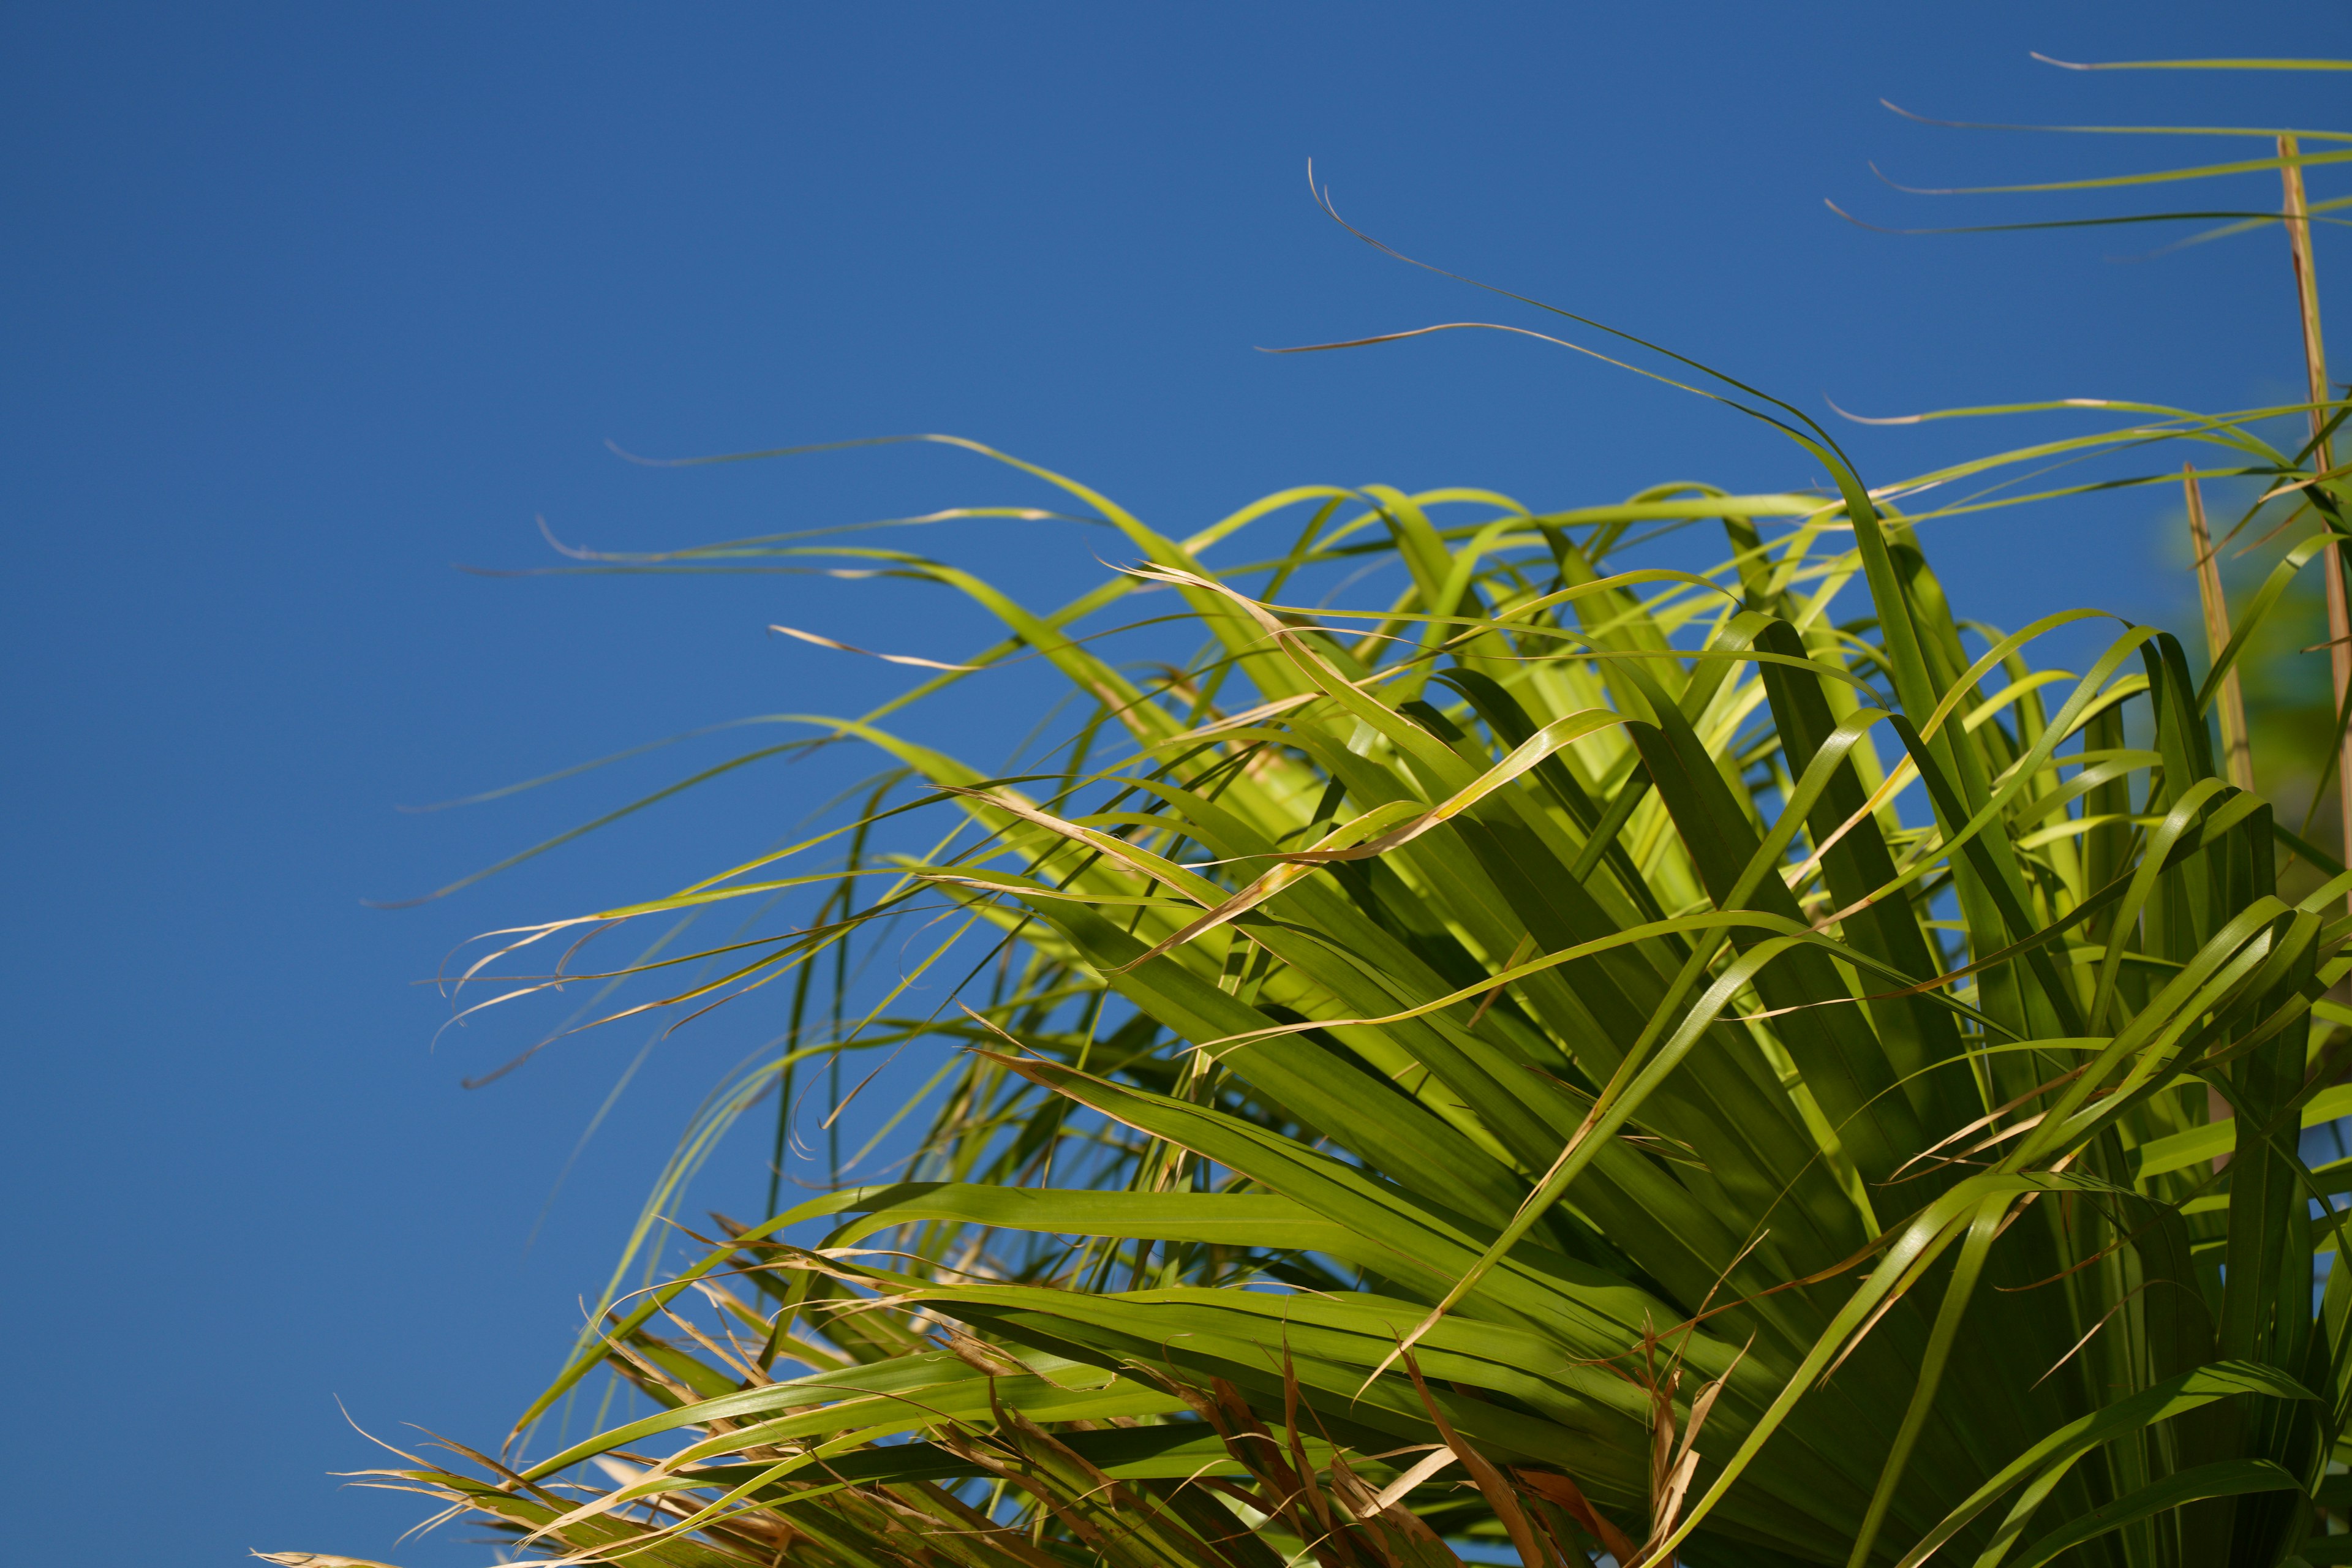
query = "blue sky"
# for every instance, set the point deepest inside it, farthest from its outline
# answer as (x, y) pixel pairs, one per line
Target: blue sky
(305, 304)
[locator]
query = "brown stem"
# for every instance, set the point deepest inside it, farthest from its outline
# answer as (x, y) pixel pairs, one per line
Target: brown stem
(2314, 367)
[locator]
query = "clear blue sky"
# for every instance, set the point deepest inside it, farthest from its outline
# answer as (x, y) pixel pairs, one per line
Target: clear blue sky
(304, 303)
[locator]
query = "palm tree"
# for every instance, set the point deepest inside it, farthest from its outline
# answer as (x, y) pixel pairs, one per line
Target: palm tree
(1735, 1067)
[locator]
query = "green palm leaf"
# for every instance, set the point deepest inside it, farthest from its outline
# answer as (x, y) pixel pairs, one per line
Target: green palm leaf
(1736, 1067)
